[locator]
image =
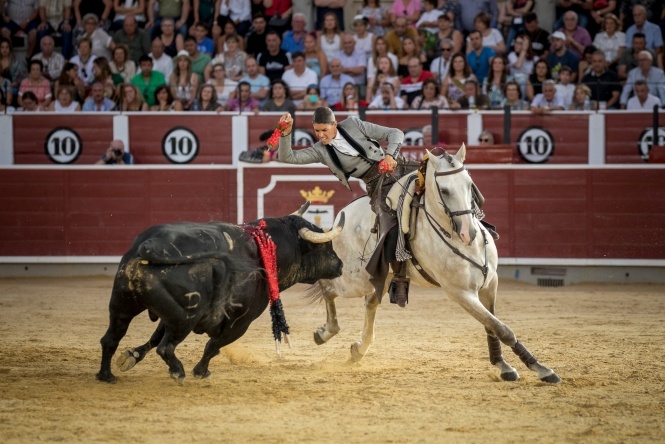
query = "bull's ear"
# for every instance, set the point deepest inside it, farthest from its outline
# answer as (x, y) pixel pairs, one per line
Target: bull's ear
(461, 153)
(433, 159)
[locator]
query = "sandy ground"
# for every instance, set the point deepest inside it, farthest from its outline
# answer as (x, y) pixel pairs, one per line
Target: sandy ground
(426, 379)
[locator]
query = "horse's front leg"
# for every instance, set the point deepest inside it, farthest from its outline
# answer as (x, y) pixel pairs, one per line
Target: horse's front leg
(359, 349)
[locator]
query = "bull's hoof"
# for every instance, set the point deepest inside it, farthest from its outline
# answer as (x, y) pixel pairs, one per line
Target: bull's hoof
(127, 360)
(553, 378)
(355, 354)
(106, 377)
(510, 376)
(318, 339)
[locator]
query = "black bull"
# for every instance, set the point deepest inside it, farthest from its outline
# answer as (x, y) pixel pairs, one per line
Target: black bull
(207, 278)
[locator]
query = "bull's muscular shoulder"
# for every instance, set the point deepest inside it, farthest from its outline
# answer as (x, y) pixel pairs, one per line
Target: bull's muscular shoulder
(188, 241)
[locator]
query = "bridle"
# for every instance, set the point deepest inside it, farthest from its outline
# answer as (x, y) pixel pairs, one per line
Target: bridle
(449, 213)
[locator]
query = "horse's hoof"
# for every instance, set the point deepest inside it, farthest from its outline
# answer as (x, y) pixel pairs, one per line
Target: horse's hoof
(355, 354)
(510, 376)
(551, 379)
(180, 379)
(201, 375)
(106, 377)
(318, 339)
(127, 360)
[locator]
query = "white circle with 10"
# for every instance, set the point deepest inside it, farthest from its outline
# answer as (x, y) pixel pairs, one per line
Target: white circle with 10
(63, 145)
(645, 142)
(180, 145)
(535, 144)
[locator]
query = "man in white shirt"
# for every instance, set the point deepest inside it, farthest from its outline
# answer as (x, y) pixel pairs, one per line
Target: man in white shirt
(161, 62)
(387, 100)
(548, 100)
(654, 76)
(642, 100)
(354, 63)
(441, 65)
(299, 77)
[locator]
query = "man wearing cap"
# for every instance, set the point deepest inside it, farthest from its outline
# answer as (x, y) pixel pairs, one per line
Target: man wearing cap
(351, 149)
(299, 77)
(561, 56)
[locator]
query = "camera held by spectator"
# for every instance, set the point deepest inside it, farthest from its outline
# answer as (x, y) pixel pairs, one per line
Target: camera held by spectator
(115, 155)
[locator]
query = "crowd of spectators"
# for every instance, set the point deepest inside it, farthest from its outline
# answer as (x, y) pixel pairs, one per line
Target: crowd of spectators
(252, 55)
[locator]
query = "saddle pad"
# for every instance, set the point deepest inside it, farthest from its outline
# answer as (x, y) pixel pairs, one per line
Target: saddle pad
(393, 198)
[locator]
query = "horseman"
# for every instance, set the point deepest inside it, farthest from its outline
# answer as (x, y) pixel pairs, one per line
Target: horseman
(351, 149)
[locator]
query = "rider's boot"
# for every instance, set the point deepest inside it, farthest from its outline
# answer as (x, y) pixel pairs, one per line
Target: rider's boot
(399, 285)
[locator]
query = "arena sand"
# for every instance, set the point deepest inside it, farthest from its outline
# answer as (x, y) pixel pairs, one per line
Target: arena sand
(426, 379)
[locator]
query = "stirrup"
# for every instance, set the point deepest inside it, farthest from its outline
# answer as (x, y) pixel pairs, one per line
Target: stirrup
(398, 291)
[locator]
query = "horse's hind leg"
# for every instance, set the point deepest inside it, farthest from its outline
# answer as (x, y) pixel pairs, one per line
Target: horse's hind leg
(325, 332)
(129, 358)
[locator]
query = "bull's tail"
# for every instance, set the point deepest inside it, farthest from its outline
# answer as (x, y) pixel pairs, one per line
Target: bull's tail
(314, 294)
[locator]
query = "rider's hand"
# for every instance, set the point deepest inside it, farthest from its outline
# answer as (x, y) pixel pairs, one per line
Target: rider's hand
(288, 120)
(390, 162)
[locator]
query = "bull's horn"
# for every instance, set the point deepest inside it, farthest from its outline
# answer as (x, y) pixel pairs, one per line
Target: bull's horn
(301, 210)
(319, 238)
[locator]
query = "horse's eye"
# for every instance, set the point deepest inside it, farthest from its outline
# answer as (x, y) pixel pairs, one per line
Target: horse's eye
(444, 191)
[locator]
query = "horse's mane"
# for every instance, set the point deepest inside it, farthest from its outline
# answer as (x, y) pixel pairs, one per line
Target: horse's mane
(422, 169)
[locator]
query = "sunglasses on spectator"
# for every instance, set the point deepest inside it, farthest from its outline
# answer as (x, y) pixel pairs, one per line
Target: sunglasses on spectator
(484, 140)
(446, 49)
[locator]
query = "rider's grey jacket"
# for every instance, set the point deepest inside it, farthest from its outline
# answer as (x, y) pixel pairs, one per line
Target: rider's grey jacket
(359, 134)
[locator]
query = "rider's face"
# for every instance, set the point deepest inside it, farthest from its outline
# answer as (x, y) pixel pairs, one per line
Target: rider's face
(325, 132)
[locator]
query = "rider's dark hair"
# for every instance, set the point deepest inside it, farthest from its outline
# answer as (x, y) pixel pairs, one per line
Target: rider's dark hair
(323, 115)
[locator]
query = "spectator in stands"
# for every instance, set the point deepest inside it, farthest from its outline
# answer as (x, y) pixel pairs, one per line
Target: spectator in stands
(548, 100)
(204, 43)
(645, 70)
(494, 82)
(206, 100)
(351, 100)
(469, 10)
(259, 84)
(459, 74)
(20, 17)
(479, 56)
(353, 62)
(234, 59)
(10, 67)
(243, 101)
(274, 61)
(584, 66)
(315, 59)
(29, 103)
(84, 60)
(410, 48)
(514, 12)
(332, 84)
(122, 67)
(203, 11)
(561, 56)
(642, 100)
(611, 40)
(628, 59)
(378, 16)
(604, 84)
(278, 98)
(651, 31)
(135, 38)
(579, 7)
(429, 19)
(512, 92)
(539, 39)
(225, 89)
(564, 87)
(64, 101)
(164, 100)
(173, 42)
(364, 39)
(184, 83)
(51, 61)
(103, 75)
(256, 39)
(380, 50)
(37, 84)
(70, 77)
(409, 9)
(576, 37)
(147, 80)
(199, 60)
(161, 61)
(101, 42)
(581, 98)
(294, 40)
(386, 99)
(521, 60)
(430, 97)
(386, 69)
(312, 99)
(298, 78)
(473, 98)
(96, 102)
(176, 10)
(325, 7)
(446, 31)
(330, 36)
(237, 11)
(427, 135)
(101, 9)
(412, 85)
(491, 37)
(5, 107)
(56, 16)
(534, 85)
(6, 87)
(128, 98)
(485, 138)
(400, 30)
(116, 155)
(125, 8)
(441, 65)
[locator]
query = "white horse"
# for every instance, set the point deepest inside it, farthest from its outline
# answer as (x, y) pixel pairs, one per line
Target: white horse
(447, 247)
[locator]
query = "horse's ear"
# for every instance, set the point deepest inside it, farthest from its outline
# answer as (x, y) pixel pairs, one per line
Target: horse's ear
(461, 153)
(433, 158)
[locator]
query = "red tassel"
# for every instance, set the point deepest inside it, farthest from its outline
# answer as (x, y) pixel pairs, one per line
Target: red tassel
(273, 141)
(268, 252)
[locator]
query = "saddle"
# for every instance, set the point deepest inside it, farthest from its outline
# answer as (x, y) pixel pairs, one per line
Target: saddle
(404, 191)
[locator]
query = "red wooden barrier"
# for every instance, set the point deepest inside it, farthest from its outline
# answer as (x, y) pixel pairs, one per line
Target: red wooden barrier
(626, 136)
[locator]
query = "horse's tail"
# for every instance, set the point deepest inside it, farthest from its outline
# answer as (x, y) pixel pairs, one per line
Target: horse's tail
(314, 294)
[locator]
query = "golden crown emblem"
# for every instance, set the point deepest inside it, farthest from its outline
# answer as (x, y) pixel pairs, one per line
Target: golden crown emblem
(317, 195)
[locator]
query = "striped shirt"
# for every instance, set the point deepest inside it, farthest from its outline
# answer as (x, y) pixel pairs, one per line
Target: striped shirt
(21, 10)
(41, 89)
